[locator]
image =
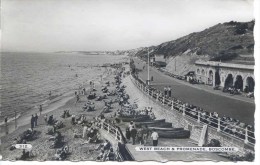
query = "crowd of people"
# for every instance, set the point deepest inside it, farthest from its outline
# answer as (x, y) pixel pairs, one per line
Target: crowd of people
(140, 135)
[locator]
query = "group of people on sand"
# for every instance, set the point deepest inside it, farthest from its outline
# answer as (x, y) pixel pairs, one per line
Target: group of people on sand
(140, 135)
(106, 152)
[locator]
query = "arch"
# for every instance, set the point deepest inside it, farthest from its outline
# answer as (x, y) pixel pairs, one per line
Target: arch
(203, 72)
(239, 82)
(210, 77)
(250, 84)
(229, 81)
(198, 71)
(217, 78)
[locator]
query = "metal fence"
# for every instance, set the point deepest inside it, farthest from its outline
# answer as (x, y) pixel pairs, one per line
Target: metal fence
(216, 123)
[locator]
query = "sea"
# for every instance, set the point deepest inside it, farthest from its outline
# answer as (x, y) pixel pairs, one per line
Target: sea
(26, 79)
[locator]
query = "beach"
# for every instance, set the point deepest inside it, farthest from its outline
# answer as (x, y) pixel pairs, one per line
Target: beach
(41, 145)
(55, 106)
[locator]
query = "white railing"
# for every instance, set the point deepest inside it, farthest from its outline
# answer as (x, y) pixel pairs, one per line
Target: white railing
(112, 130)
(214, 122)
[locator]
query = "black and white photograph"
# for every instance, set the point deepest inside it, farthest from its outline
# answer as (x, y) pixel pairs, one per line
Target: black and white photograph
(128, 80)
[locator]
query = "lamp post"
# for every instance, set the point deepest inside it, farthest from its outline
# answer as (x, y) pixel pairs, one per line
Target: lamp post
(148, 68)
(148, 64)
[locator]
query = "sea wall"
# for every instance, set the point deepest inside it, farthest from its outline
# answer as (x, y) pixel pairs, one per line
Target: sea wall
(179, 119)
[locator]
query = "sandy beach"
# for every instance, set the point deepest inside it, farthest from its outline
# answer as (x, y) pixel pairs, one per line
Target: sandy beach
(41, 145)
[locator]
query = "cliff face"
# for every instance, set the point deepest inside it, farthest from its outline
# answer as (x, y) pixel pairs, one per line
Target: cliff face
(232, 41)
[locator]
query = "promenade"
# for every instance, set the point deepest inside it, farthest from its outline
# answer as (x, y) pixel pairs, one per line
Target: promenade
(137, 96)
(240, 109)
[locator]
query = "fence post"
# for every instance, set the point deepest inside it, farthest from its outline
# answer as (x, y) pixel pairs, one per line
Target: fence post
(108, 128)
(15, 119)
(198, 117)
(218, 125)
(102, 125)
(163, 100)
(246, 136)
(116, 134)
(183, 110)
(172, 104)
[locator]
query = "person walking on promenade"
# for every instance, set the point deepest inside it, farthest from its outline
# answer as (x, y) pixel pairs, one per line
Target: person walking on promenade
(35, 120)
(145, 134)
(155, 137)
(128, 134)
(133, 135)
(40, 109)
(131, 126)
(169, 92)
(140, 136)
(32, 122)
(165, 91)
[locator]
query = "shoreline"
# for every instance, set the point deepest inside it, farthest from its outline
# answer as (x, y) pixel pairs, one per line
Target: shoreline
(48, 106)
(41, 143)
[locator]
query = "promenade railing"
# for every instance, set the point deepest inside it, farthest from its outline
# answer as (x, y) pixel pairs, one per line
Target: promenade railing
(203, 117)
(113, 130)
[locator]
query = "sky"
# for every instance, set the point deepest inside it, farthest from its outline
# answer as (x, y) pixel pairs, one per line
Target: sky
(97, 25)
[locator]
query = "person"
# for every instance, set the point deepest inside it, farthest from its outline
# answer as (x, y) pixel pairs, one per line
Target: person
(101, 156)
(165, 91)
(32, 122)
(77, 98)
(46, 118)
(133, 135)
(84, 131)
(35, 120)
(6, 120)
(50, 94)
(73, 119)
(127, 134)
(146, 111)
(140, 136)
(169, 92)
(111, 155)
(145, 134)
(131, 126)
(155, 137)
(40, 109)
(76, 93)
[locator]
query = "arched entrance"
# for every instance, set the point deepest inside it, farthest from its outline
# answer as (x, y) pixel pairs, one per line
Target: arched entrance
(239, 82)
(217, 78)
(229, 81)
(210, 78)
(250, 84)
(198, 71)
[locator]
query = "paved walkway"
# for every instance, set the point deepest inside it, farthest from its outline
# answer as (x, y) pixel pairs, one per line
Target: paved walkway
(212, 101)
(136, 95)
